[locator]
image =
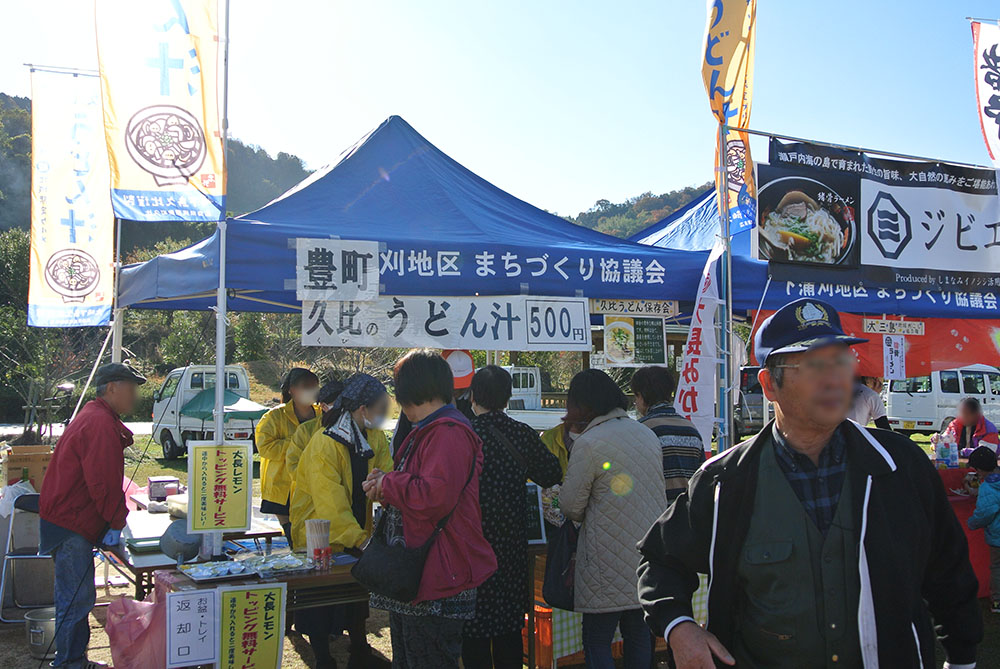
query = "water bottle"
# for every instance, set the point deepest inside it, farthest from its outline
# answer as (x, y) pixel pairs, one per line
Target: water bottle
(952, 455)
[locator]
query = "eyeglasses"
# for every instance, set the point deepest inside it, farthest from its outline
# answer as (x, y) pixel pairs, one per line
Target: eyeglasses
(817, 367)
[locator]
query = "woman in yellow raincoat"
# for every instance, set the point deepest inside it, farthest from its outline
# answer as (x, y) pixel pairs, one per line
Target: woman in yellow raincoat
(334, 464)
(305, 431)
(274, 433)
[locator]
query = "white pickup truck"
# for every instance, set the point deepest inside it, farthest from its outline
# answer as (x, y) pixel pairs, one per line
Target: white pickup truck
(526, 399)
(172, 430)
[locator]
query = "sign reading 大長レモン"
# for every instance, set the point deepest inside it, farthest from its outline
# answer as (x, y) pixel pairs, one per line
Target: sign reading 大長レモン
(908, 224)
(336, 269)
(489, 323)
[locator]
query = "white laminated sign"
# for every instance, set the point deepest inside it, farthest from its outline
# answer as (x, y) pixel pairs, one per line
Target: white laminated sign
(485, 323)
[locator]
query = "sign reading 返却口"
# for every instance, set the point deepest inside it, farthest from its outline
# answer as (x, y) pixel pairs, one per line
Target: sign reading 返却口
(192, 628)
(251, 625)
(219, 487)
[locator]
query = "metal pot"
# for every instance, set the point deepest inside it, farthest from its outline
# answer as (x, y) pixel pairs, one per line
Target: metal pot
(40, 626)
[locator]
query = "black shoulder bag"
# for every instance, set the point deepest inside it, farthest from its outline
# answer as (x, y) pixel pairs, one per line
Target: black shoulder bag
(394, 570)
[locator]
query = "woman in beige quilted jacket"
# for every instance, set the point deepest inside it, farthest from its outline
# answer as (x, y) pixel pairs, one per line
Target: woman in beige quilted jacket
(614, 487)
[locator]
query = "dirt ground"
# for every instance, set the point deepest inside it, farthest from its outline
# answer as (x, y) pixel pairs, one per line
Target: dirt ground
(297, 653)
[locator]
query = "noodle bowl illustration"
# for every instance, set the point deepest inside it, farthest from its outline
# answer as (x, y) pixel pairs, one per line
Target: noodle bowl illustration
(73, 273)
(167, 142)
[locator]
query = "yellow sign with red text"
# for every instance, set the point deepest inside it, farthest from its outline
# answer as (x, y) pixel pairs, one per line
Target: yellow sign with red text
(219, 487)
(727, 68)
(252, 626)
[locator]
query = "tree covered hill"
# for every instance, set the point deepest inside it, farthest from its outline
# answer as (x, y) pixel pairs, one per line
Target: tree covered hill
(624, 219)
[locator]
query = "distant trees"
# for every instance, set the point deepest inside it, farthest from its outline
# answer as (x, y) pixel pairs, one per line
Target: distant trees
(629, 217)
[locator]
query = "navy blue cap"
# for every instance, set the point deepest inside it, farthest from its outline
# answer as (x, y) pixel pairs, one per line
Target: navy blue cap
(799, 326)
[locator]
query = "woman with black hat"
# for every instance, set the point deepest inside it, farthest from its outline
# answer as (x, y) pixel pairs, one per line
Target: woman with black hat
(331, 470)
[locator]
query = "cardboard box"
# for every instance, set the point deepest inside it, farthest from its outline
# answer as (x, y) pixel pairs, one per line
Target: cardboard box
(15, 459)
(157, 486)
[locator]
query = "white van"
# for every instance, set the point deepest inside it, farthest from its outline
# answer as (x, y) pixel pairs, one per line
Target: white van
(929, 403)
(171, 430)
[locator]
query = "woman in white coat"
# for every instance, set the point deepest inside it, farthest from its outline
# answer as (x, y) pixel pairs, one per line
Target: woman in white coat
(614, 487)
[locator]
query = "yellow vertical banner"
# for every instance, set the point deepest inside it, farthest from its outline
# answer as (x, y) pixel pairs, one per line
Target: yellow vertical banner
(252, 626)
(72, 227)
(219, 487)
(159, 76)
(727, 69)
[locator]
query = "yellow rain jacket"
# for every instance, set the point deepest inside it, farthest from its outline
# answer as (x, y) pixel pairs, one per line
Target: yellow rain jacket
(300, 440)
(554, 440)
(273, 435)
(324, 489)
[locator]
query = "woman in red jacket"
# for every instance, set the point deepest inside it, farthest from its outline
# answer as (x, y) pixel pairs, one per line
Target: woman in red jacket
(437, 469)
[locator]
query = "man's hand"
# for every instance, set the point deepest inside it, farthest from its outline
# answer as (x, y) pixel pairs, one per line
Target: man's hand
(694, 646)
(111, 538)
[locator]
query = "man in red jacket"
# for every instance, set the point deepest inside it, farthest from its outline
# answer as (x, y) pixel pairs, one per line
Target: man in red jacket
(82, 504)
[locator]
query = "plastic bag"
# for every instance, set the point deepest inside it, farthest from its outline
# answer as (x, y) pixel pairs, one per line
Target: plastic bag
(12, 492)
(137, 632)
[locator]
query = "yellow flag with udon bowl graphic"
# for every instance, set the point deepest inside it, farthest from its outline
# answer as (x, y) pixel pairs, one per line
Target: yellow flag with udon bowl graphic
(159, 77)
(727, 69)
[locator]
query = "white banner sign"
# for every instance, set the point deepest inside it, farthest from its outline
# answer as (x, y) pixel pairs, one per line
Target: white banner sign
(986, 48)
(489, 323)
(695, 398)
(661, 308)
(72, 227)
(192, 628)
(878, 326)
(894, 357)
(336, 269)
(929, 227)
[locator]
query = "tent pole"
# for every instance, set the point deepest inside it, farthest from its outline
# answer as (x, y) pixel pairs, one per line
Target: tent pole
(725, 405)
(220, 306)
(118, 314)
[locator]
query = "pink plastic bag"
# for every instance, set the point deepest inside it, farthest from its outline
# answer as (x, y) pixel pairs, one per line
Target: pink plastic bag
(137, 632)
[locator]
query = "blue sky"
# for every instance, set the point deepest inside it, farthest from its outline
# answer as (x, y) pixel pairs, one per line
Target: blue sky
(565, 102)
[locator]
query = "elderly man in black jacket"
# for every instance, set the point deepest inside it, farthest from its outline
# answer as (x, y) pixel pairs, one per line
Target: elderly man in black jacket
(826, 544)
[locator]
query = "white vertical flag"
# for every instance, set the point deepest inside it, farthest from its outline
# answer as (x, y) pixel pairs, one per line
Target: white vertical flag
(986, 49)
(696, 385)
(72, 227)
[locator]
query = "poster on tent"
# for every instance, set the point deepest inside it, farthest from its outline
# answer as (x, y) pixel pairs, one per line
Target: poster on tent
(634, 341)
(487, 323)
(251, 625)
(907, 224)
(158, 61)
(220, 484)
(72, 227)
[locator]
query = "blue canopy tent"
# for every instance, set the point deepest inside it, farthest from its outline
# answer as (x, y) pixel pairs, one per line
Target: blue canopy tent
(396, 188)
